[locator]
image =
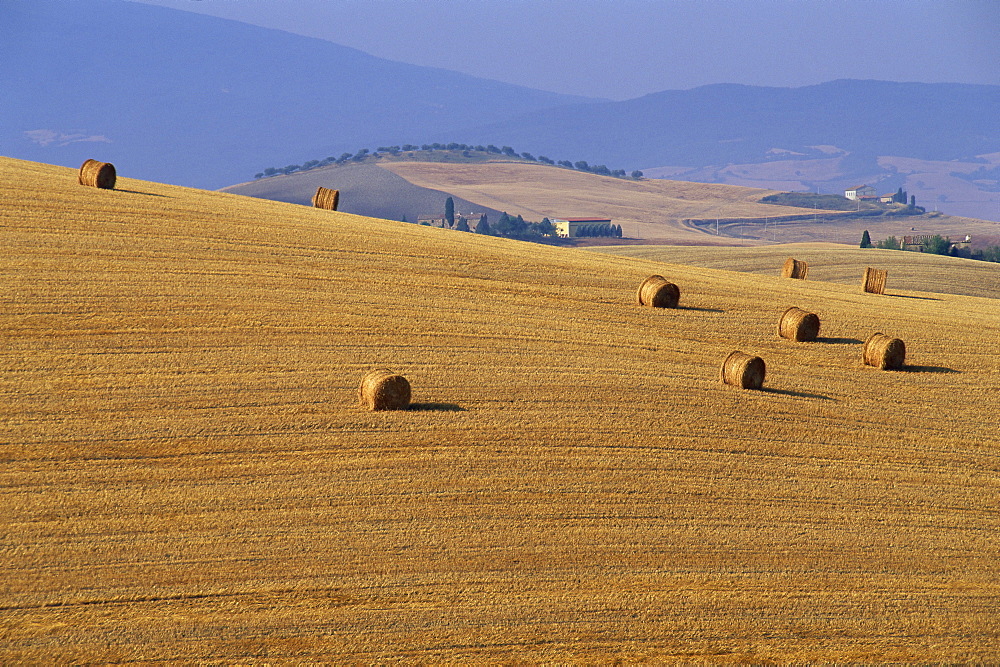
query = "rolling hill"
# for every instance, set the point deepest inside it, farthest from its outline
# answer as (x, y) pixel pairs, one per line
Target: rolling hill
(365, 189)
(190, 99)
(186, 475)
(836, 264)
(650, 210)
(828, 136)
(732, 123)
(193, 100)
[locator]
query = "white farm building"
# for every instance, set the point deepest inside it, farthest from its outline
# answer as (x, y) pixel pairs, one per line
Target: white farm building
(569, 228)
(861, 192)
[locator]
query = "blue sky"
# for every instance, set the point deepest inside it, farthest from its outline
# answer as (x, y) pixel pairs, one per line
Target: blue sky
(622, 49)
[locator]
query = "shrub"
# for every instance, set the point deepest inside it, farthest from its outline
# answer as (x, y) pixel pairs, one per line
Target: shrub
(937, 245)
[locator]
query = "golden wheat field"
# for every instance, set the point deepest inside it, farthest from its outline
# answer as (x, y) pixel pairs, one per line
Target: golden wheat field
(185, 474)
(836, 263)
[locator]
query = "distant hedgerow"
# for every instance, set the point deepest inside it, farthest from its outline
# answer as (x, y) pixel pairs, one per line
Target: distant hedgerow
(466, 151)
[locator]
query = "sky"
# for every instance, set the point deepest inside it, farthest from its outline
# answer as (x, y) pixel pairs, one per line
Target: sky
(622, 49)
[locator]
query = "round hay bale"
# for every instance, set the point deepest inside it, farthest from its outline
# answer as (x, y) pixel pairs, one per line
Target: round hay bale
(884, 353)
(798, 325)
(98, 174)
(743, 370)
(794, 268)
(326, 198)
(382, 389)
(658, 292)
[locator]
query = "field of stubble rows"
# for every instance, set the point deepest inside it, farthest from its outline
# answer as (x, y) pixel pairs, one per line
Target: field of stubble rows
(185, 474)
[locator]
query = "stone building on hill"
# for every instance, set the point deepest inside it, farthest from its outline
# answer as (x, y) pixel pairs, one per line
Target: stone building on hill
(861, 192)
(915, 243)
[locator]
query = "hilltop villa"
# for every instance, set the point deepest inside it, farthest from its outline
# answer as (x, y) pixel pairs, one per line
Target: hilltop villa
(861, 192)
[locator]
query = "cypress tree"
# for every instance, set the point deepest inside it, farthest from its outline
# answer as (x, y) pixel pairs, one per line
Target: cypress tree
(449, 211)
(866, 240)
(483, 227)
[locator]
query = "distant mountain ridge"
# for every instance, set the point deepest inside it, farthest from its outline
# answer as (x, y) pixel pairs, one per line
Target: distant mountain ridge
(823, 137)
(732, 123)
(189, 99)
(194, 100)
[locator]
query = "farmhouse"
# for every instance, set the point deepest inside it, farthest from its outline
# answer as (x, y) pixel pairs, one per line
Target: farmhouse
(915, 243)
(573, 227)
(861, 192)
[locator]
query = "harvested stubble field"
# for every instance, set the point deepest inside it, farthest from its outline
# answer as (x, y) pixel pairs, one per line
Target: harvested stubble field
(653, 209)
(835, 263)
(647, 208)
(185, 474)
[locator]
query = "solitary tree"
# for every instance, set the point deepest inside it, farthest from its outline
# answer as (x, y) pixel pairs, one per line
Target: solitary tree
(636, 174)
(449, 211)
(866, 240)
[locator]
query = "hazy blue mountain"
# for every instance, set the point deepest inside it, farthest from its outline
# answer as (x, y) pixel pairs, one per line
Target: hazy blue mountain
(189, 99)
(729, 123)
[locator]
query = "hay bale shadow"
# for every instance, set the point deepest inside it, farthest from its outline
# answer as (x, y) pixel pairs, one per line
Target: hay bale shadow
(906, 296)
(798, 394)
(927, 369)
(839, 341)
(700, 310)
(148, 194)
(436, 407)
